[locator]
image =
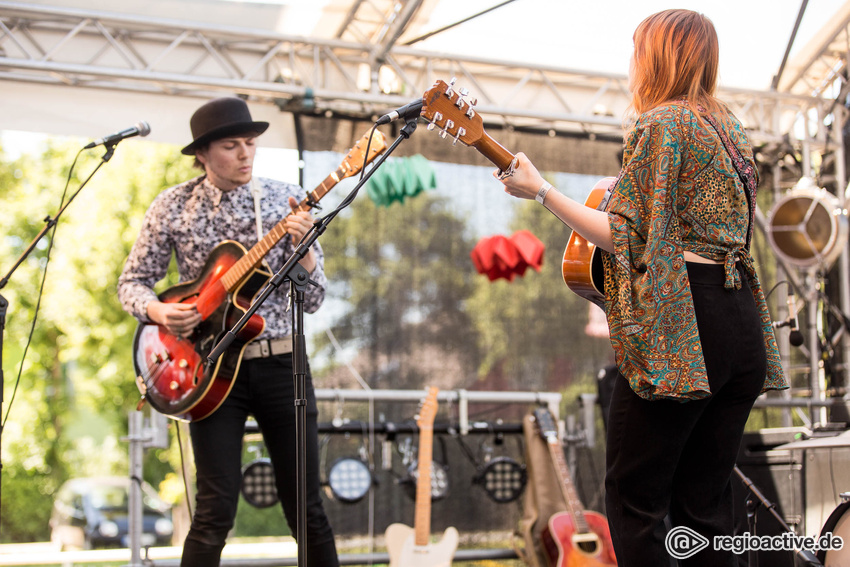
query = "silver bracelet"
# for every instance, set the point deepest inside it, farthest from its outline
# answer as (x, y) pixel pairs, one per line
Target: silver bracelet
(541, 194)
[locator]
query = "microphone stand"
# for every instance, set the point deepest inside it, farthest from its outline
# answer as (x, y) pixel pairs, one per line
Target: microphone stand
(48, 224)
(299, 279)
(757, 499)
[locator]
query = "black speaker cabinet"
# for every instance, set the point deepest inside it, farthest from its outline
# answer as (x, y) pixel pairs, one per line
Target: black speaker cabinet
(778, 475)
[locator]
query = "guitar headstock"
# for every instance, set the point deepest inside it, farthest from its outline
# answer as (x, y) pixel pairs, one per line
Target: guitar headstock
(428, 411)
(357, 156)
(446, 107)
(449, 109)
(546, 424)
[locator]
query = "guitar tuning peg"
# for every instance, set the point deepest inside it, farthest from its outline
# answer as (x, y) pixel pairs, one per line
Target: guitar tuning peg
(445, 130)
(450, 89)
(463, 91)
(460, 132)
(470, 112)
(459, 102)
(473, 101)
(430, 126)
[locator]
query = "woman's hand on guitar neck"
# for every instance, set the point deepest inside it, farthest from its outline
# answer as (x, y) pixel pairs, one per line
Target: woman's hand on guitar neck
(297, 225)
(525, 180)
(179, 318)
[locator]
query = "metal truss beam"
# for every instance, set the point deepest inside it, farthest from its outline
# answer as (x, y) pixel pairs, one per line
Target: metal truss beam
(97, 49)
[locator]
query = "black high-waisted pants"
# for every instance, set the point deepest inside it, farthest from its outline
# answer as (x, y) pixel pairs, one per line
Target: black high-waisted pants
(670, 457)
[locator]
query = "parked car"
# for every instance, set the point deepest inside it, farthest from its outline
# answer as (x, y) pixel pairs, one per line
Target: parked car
(93, 512)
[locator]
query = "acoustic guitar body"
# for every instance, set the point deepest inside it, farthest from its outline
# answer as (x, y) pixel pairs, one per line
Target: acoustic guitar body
(565, 547)
(582, 267)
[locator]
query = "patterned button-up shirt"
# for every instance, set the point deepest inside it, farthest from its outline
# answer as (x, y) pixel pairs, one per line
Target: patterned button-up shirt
(190, 219)
(678, 190)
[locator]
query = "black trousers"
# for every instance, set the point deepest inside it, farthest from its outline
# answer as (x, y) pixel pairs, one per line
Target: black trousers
(266, 389)
(676, 458)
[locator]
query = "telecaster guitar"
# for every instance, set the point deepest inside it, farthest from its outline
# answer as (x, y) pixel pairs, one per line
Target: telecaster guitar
(575, 538)
(172, 371)
(412, 547)
(446, 108)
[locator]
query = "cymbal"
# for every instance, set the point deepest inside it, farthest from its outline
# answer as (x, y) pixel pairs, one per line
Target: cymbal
(832, 441)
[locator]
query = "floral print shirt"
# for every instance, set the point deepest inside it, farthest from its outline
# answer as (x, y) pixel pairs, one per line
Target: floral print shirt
(190, 219)
(678, 190)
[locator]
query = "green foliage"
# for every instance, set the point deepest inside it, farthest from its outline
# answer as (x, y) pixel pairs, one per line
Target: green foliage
(405, 275)
(69, 409)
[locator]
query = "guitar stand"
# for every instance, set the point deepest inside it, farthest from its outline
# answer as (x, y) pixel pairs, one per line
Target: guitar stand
(299, 280)
(756, 499)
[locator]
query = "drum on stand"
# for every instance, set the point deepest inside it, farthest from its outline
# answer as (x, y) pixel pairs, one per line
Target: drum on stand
(807, 227)
(838, 524)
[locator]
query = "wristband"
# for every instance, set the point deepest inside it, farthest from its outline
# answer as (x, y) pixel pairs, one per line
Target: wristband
(541, 194)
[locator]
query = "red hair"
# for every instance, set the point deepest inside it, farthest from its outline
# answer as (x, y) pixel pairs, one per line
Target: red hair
(676, 56)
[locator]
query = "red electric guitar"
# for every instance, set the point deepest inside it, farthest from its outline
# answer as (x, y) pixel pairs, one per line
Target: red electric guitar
(575, 538)
(445, 107)
(172, 372)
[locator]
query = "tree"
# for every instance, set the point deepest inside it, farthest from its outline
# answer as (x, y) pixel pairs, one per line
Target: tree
(405, 274)
(78, 374)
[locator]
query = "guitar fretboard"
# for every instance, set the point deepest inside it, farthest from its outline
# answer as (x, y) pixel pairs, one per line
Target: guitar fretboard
(574, 505)
(257, 252)
(422, 516)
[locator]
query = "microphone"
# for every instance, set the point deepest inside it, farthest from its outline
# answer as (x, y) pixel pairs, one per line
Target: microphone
(795, 337)
(139, 129)
(409, 110)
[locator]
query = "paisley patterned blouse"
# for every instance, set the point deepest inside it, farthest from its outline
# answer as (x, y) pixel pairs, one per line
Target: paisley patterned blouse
(190, 219)
(678, 190)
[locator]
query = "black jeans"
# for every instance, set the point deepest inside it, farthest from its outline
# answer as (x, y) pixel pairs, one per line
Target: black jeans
(676, 458)
(264, 388)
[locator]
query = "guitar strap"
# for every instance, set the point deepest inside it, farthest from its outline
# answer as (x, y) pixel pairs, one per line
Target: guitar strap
(745, 171)
(257, 191)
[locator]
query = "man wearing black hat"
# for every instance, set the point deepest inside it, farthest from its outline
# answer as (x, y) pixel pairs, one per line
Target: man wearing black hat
(189, 220)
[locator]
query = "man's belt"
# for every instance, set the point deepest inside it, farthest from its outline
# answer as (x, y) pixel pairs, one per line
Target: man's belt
(265, 348)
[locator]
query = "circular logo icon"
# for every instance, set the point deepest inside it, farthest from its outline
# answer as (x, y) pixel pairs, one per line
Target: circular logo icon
(682, 542)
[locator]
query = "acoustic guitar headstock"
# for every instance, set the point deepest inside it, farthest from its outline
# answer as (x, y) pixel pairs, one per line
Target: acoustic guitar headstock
(454, 113)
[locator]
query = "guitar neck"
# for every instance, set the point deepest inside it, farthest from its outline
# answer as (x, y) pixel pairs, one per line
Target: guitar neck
(494, 151)
(574, 506)
(422, 516)
(257, 252)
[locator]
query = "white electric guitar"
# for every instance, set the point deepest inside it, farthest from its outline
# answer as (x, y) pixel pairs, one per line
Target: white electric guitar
(412, 547)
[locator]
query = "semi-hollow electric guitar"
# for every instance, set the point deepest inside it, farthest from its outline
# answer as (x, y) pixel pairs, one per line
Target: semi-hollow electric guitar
(447, 108)
(172, 371)
(575, 538)
(412, 547)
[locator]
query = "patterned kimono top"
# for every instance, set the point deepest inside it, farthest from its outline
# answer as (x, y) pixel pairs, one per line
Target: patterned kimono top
(678, 190)
(192, 218)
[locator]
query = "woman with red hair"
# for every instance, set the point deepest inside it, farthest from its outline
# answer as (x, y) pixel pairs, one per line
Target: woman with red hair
(689, 325)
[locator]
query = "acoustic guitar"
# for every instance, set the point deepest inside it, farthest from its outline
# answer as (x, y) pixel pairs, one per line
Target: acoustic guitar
(575, 538)
(172, 371)
(582, 266)
(413, 547)
(447, 108)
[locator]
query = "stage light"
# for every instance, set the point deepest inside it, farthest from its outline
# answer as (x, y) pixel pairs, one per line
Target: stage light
(439, 480)
(349, 480)
(258, 486)
(503, 479)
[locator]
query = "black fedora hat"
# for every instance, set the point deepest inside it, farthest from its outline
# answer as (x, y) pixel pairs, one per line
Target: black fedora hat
(220, 118)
